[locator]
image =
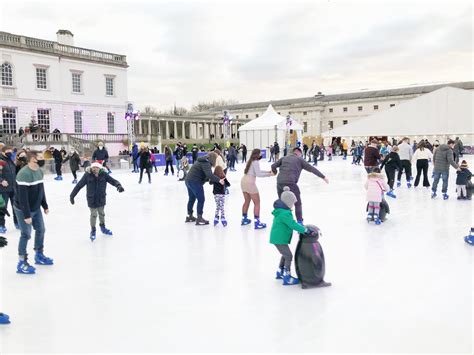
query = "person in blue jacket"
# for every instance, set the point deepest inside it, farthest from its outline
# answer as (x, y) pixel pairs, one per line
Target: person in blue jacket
(134, 154)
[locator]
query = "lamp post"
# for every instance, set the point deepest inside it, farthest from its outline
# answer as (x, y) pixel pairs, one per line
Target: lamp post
(131, 116)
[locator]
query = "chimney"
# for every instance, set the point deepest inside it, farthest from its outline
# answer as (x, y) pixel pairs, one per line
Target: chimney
(65, 37)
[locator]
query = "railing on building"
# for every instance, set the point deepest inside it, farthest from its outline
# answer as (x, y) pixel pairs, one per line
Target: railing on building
(23, 42)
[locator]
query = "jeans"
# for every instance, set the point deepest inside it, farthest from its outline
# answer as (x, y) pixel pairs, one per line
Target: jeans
(135, 164)
(97, 211)
(178, 164)
(443, 175)
(296, 190)
(7, 196)
(195, 192)
(38, 226)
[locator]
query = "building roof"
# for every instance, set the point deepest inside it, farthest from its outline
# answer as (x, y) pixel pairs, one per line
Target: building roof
(411, 90)
(9, 40)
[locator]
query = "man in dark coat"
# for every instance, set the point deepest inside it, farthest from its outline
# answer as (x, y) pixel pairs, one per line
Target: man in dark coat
(58, 162)
(96, 181)
(74, 163)
(7, 185)
(101, 155)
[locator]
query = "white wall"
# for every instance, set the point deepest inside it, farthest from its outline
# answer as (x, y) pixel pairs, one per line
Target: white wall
(59, 98)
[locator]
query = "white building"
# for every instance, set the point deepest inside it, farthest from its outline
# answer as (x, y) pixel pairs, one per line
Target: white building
(322, 112)
(61, 86)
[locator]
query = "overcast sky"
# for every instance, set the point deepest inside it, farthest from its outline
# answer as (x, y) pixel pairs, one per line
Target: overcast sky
(186, 52)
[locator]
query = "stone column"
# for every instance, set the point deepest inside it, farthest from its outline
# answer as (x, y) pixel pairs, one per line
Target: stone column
(167, 129)
(183, 130)
(206, 131)
(175, 133)
(140, 128)
(149, 127)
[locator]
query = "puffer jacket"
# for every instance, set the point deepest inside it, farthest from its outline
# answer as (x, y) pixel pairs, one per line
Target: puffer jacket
(201, 172)
(443, 158)
(7, 173)
(283, 224)
(375, 186)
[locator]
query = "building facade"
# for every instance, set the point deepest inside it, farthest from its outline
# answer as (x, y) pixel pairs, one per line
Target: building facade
(60, 86)
(321, 113)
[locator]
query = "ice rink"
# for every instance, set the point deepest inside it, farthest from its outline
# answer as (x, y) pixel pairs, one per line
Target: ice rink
(162, 285)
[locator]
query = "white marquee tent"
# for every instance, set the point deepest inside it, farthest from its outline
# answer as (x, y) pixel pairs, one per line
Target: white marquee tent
(444, 112)
(267, 129)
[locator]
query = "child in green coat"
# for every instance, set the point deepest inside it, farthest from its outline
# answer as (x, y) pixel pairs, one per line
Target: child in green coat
(282, 231)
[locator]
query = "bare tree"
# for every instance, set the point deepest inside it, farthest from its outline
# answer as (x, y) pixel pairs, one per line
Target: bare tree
(207, 105)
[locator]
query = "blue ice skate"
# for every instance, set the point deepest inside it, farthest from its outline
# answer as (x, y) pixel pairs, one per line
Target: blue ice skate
(4, 318)
(223, 221)
(245, 221)
(391, 194)
(259, 225)
(469, 239)
(378, 221)
(92, 236)
(445, 196)
(24, 268)
(370, 217)
(74, 181)
(288, 279)
(105, 230)
(41, 259)
(399, 183)
(409, 184)
(3, 229)
(279, 274)
(216, 221)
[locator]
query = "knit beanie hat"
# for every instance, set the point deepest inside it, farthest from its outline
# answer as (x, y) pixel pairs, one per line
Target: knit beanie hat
(288, 197)
(464, 164)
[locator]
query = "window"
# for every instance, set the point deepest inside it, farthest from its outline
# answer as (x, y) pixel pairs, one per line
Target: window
(391, 105)
(76, 83)
(9, 120)
(344, 109)
(109, 86)
(376, 107)
(41, 82)
(331, 124)
(344, 122)
(77, 121)
(305, 127)
(305, 113)
(43, 119)
(246, 116)
(7, 74)
(256, 115)
(331, 110)
(278, 112)
(110, 122)
(237, 117)
(359, 108)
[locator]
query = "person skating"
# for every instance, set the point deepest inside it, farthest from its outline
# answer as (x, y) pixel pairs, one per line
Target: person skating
(4, 318)
(375, 186)
(101, 155)
(74, 163)
(219, 196)
(392, 164)
(58, 162)
(371, 156)
(290, 171)
(422, 157)
(305, 150)
(442, 159)
(345, 147)
(462, 179)
(458, 148)
(178, 153)
(232, 157)
(194, 152)
(272, 154)
(276, 151)
(168, 160)
(29, 198)
(7, 185)
(145, 163)
(250, 190)
(406, 154)
(96, 179)
(199, 173)
(282, 231)
(243, 147)
(315, 153)
(134, 154)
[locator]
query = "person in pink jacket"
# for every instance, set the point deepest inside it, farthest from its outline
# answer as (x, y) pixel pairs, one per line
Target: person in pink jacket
(375, 186)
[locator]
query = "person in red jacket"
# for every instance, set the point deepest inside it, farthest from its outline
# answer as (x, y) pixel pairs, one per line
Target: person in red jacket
(371, 156)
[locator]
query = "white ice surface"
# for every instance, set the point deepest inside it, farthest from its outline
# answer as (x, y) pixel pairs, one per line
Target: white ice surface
(162, 285)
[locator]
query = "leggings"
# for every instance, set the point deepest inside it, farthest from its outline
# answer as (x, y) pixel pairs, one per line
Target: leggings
(390, 176)
(374, 208)
(286, 256)
(220, 199)
(147, 172)
(74, 173)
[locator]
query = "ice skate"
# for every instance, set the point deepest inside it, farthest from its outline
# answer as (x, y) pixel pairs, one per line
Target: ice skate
(378, 221)
(4, 318)
(288, 279)
(224, 222)
(216, 221)
(245, 221)
(190, 218)
(399, 183)
(3, 229)
(41, 259)
(409, 184)
(200, 221)
(279, 274)
(391, 194)
(74, 181)
(259, 225)
(469, 239)
(445, 196)
(105, 230)
(370, 217)
(24, 268)
(92, 236)
(433, 195)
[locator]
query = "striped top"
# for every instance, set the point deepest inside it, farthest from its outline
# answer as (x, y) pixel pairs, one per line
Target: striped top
(30, 194)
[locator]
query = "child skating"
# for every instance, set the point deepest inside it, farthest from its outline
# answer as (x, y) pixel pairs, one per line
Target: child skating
(219, 196)
(462, 179)
(375, 186)
(96, 179)
(282, 232)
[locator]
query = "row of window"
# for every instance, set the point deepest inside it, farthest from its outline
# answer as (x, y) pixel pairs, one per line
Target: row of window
(9, 115)
(331, 123)
(359, 108)
(42, 79)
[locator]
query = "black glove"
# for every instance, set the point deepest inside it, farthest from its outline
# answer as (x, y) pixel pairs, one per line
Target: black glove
(3, 242)
(72, 200)
(120, 188)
